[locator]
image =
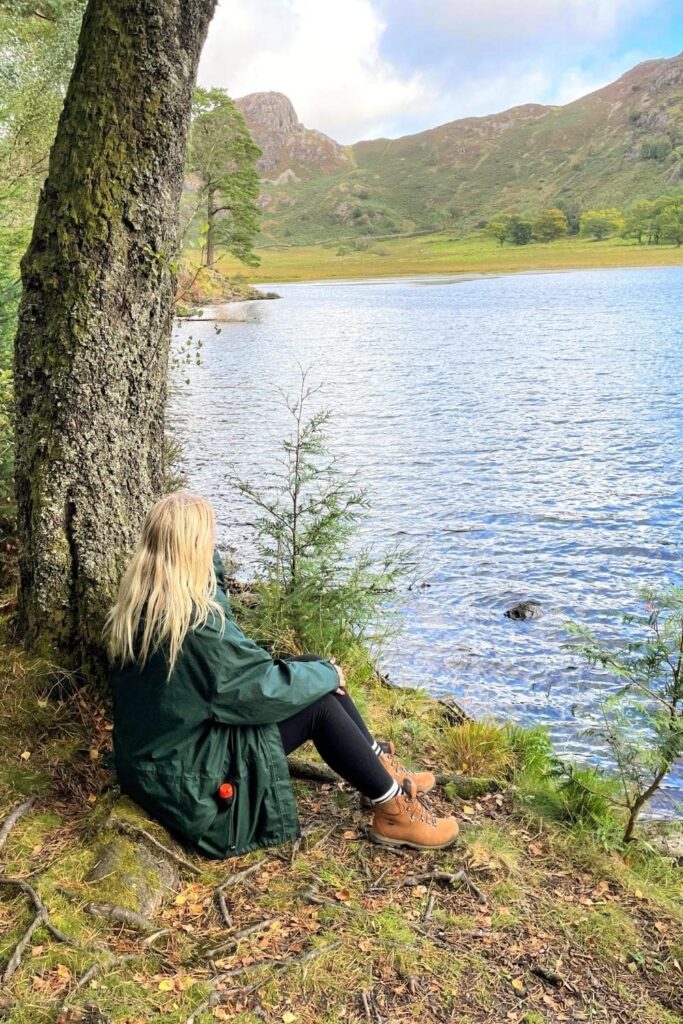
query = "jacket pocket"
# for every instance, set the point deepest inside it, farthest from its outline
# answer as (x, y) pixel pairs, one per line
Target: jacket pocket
(184, 801)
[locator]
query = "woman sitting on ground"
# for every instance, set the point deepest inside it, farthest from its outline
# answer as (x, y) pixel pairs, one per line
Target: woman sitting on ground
(204, 718)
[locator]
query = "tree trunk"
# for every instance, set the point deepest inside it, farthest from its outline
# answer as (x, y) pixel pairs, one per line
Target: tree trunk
(210, 228)
(95, 320)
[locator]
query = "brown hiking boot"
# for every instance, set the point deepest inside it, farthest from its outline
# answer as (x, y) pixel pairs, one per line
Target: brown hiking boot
(423, 780)
(406, 821)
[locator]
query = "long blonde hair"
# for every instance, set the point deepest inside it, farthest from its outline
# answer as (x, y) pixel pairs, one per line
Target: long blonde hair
(169, 581)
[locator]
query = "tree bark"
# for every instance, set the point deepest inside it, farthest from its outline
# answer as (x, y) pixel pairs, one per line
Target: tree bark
(91, 351)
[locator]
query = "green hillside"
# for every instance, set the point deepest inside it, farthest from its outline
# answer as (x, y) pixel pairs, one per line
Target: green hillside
(624, 141)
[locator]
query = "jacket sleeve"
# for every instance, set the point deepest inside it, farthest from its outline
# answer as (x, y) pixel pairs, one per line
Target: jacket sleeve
(251, 688)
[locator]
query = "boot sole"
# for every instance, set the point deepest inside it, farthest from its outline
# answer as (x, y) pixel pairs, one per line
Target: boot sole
(384, 841)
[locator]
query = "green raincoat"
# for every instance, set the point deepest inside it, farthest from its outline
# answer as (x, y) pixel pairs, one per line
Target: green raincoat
(176, 741)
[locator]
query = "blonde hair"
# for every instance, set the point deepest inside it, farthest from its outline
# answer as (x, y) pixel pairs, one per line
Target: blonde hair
(169, 582)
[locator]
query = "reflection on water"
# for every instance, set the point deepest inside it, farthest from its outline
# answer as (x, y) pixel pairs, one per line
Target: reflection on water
(523, 433)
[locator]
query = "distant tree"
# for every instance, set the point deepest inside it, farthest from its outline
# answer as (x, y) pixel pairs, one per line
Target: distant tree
(601, 223)
(223, 154)
(550, 225)
(639, 220)
(572, 212)
(670, 222)
(498, 228)
(520, 231)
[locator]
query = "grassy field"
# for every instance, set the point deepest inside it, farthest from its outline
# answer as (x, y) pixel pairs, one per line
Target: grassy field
(443, 254)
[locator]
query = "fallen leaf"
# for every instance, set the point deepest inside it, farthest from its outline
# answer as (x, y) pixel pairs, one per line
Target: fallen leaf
(288, 1017)
(468, 810)
(165, 985)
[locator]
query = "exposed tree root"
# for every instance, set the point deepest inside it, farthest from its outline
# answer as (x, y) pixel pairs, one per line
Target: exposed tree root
(135, 830)
(12, 818)
(129, 918)
(21, 945)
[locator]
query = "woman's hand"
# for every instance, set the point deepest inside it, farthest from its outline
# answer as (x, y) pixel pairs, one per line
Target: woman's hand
(342, 678)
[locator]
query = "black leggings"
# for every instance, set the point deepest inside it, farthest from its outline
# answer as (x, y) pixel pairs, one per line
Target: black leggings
(342, 739)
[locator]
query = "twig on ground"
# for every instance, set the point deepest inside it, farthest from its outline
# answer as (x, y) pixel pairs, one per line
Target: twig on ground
(239, 876)
(366, 1004)
(92, 972)
(81, 982)
(21, 945)
(12, 818)
(223, 907)
(250, 929)
(429, 909)
(216, 997)
(39, 906)
(151, 939)
(450, 879)
(129, 918)
(231, 880)
(131, 829)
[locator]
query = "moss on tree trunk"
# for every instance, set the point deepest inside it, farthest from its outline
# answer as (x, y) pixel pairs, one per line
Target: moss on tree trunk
(92, 346)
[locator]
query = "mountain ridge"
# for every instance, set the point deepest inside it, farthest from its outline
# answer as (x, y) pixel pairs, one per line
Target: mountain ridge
(617, 143)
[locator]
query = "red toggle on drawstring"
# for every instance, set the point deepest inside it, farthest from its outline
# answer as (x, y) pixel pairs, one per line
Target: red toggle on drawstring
(226, 791)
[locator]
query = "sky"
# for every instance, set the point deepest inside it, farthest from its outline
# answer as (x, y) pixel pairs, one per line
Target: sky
(362, 69)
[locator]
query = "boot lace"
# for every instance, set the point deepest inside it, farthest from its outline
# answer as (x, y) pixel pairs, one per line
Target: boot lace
(396, 766)
(419, 810)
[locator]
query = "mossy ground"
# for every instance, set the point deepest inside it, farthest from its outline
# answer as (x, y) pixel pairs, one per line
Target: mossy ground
(441, 253)
(566, 932)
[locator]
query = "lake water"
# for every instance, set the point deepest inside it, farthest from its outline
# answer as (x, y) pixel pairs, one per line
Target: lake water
(522, 433)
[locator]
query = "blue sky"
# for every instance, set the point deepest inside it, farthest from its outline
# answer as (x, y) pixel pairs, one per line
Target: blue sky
(367, 68)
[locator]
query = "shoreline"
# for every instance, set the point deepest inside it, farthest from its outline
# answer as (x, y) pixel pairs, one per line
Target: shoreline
(463, 277)
(438, 255)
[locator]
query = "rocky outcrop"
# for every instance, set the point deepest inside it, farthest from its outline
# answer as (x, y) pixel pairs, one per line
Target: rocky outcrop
(288, 147)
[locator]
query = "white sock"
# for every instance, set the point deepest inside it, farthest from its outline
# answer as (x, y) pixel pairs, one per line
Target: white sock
(393, 791)
(376, 747)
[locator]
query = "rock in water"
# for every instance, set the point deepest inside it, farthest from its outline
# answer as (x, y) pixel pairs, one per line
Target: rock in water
(525, 610)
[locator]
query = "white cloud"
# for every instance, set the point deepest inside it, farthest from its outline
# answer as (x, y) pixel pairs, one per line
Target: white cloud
(366, 68)
(323, 54)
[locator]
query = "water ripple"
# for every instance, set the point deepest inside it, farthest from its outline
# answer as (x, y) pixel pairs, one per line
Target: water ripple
(522, 433)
